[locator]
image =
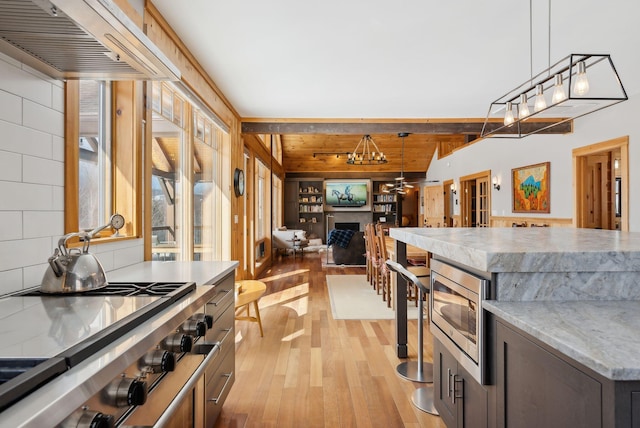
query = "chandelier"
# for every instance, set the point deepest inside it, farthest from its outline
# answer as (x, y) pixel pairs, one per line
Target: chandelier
(580, 84)
(400, 186)
(366, 153)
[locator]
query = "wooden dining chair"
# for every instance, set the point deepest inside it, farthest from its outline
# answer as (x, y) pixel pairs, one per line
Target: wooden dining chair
(418, 271)
(368, 253)
(385, 273)
(375, 258)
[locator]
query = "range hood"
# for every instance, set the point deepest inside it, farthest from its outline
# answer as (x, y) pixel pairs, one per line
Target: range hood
(80, 39)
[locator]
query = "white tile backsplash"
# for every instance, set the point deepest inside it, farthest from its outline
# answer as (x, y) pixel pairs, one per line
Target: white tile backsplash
(57, 148)
(58, 198)
(57, 102)
(24, 196)
(32, 275)
(39, 224)
(42, 171)
(26, 252)
(18, 139)
(25, 85)
(42, 118)
(10, 107)
(10, 166)
(10, 280)
(10, 225)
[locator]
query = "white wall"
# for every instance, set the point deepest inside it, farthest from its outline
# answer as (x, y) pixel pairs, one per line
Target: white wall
(501, 155)
(32, 179)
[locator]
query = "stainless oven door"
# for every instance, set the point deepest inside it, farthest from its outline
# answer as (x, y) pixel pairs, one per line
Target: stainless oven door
(457, 318)
(455, 312)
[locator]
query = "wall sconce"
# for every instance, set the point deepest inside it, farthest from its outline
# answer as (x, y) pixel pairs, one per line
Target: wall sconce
(453, 188)
(496, 185)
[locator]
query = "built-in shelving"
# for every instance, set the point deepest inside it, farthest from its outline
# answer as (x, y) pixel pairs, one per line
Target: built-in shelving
(384, 205)
(304, 205)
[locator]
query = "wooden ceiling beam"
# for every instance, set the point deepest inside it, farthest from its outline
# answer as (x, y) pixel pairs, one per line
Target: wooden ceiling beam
(431, 127)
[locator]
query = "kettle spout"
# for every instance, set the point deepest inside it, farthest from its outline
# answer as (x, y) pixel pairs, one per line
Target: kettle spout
(56, 266)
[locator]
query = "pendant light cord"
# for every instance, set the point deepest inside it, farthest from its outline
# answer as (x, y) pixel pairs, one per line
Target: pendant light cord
(530, 42)
(549, 48)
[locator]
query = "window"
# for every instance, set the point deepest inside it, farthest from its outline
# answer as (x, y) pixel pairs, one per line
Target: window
(276, 202)
(102, 156)
(167, 193)
(94, 143)
(262, 196)
(190, 207)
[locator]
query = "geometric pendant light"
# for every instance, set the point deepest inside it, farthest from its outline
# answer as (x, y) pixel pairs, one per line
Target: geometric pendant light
(575, 86)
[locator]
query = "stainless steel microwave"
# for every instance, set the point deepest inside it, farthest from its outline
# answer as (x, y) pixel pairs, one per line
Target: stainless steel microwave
(456, 312)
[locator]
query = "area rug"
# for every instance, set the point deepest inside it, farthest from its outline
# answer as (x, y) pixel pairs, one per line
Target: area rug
(353, 298)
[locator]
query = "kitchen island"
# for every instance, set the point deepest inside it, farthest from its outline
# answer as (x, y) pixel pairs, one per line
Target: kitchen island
(563, 311)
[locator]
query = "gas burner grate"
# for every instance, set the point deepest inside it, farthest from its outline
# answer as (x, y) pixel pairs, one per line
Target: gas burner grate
(171, 290)
(174, 290)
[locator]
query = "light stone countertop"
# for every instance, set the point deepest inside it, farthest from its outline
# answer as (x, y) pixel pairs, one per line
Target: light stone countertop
(533, 249)
(602, 335)
(201, 273)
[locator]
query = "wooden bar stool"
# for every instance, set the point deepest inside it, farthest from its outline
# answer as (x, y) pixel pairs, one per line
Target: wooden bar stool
(249, 291)
(417, 371)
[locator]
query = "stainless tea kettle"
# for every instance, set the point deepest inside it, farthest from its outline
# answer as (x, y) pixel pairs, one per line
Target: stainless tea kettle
(76, 270)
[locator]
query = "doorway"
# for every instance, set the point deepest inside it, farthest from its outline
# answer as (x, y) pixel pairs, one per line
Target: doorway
(601, 177)
(475, 200)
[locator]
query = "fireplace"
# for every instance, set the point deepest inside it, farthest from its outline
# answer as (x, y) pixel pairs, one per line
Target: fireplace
(348, 226)
(348, 220)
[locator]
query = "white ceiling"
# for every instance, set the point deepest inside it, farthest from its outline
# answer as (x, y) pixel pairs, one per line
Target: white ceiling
(390, 59)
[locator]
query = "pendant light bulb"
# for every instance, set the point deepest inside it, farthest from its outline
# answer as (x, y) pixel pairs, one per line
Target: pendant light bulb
(581, 87)
(540, 103)
(508, 116)
(523, 108)
(558, 90)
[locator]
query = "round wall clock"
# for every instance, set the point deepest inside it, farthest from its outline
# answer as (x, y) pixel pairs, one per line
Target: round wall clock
(238, 182)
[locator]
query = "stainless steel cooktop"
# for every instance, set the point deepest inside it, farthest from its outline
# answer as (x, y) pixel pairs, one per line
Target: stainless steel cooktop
(43, 335)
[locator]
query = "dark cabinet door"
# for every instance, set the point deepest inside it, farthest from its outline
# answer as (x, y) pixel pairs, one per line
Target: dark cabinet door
(461, 401)
(444, 368)
(538, 389)
(473, 409)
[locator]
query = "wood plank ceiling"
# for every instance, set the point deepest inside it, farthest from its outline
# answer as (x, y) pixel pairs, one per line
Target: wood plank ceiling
(327, 153)
(321, 146)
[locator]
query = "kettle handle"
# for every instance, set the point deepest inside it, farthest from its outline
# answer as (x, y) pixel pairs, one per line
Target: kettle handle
(62, 242)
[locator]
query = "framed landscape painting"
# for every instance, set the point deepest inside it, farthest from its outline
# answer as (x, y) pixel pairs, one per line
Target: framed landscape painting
(531, 189)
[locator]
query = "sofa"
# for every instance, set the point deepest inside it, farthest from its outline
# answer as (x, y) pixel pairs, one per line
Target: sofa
(353, 254)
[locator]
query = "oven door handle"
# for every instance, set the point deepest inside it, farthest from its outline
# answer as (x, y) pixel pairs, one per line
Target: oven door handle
(186, 389)
(226, 382)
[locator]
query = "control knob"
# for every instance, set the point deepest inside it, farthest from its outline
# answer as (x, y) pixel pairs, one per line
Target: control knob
(178, 342)
(84, 418)
(159, 361)
(126, 392)
(195, 326)
(205, 318)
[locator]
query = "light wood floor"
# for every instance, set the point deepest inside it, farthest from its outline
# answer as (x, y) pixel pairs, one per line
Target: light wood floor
(313, 371)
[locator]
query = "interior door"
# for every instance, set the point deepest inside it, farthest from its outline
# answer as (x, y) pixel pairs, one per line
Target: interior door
(597, 196)
(482, 202)
(434, 206)
(475, 203)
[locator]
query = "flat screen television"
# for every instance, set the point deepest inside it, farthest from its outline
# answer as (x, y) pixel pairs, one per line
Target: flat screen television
(347, 194)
